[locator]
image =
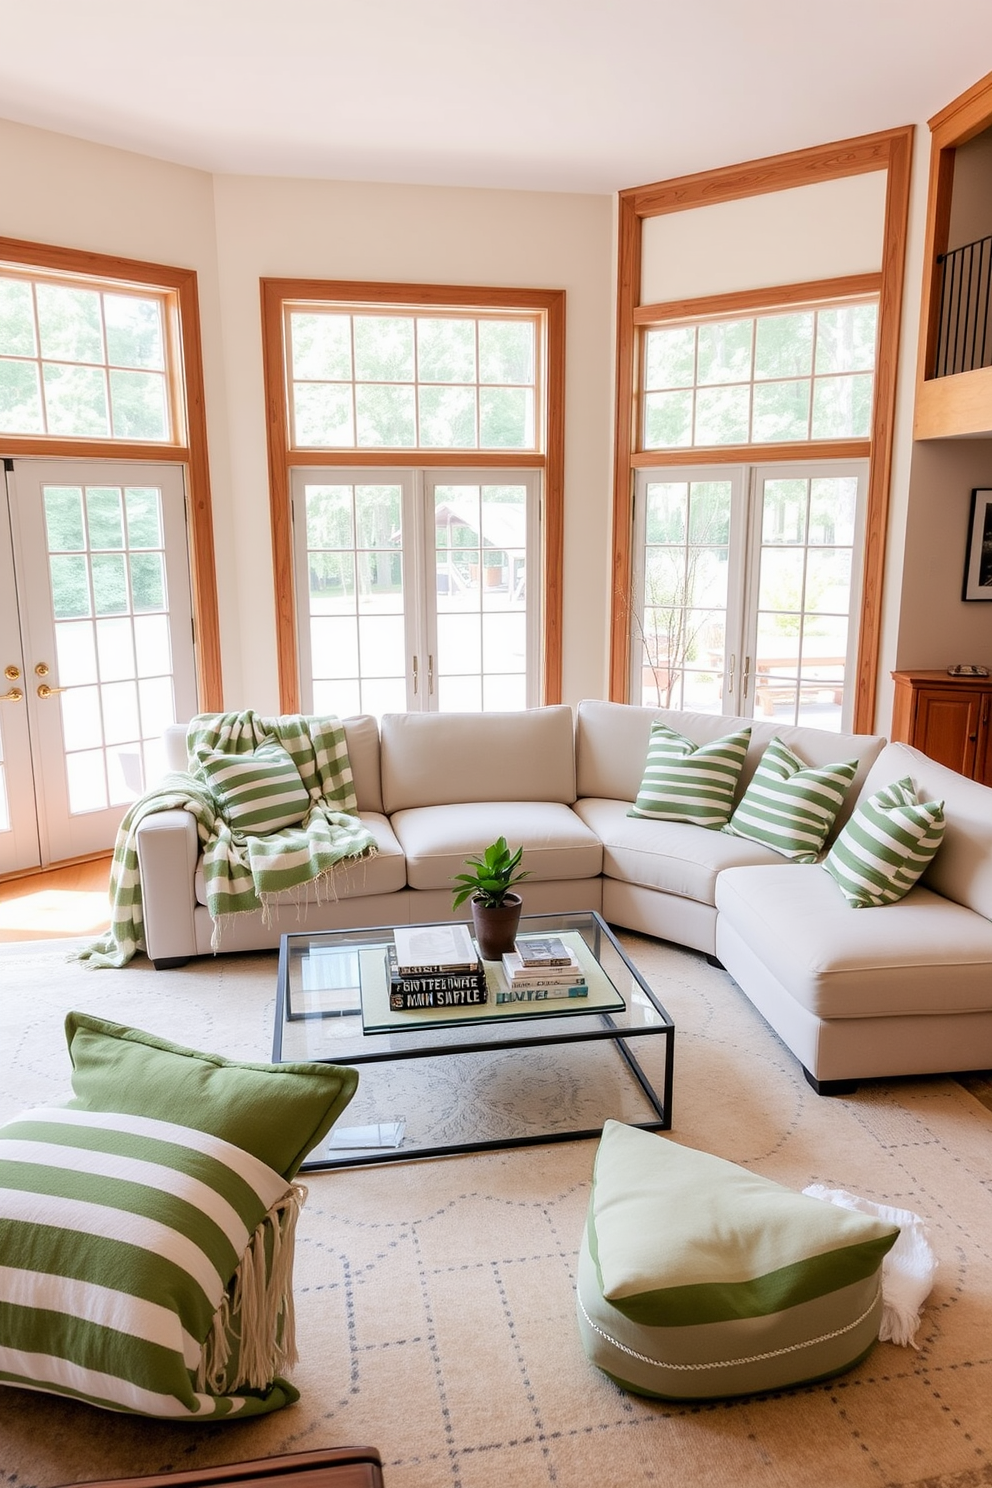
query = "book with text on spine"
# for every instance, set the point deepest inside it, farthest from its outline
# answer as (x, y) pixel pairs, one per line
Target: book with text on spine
(555, 992)
(519, 975)
(440, 994)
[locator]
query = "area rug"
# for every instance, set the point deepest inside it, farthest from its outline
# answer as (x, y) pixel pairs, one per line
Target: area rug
(436, 1303)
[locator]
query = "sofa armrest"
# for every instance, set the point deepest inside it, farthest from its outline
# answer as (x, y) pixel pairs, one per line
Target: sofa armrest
(168, 849)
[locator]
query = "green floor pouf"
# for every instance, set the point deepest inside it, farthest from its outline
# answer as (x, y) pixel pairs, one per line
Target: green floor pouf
(698, 1279)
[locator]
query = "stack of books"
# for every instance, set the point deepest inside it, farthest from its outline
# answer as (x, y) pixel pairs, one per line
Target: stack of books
(435, 966)
(541, 967)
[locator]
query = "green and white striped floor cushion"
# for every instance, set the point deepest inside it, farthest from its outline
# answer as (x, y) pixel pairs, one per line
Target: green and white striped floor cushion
(698, 1279)
(687, 782)
(145, 1251)
(888, 843)
(790, 806)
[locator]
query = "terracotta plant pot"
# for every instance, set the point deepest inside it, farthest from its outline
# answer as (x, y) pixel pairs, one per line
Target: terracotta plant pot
(496, 928)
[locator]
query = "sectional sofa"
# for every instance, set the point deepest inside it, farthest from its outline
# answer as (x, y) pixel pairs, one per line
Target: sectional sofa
(904, 989)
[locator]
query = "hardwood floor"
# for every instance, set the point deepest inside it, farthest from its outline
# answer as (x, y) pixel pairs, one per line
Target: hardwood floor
(60, 903)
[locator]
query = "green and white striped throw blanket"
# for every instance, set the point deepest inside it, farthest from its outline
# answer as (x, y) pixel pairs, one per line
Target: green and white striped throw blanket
(241, 773)
(147, 1266)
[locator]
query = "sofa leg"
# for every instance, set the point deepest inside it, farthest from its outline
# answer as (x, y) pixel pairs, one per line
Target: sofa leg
(714, 961)
(169, 963)
(830, 1087)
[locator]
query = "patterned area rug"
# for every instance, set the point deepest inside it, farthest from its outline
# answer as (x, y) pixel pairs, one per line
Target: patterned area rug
(435, 1299)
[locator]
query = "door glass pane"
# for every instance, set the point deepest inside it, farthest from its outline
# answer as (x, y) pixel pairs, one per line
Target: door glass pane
(681, 627)
(805, 580)
(354, 537)
(116, 672)
(480, 579)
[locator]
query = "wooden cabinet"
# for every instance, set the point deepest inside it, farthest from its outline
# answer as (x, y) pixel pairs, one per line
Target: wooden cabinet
(948, 718)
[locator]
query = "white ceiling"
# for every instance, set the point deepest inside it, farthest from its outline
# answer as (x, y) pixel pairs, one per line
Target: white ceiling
(559, 95)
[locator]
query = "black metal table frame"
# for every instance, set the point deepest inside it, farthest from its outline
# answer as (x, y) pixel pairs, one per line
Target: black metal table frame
(662, 1106)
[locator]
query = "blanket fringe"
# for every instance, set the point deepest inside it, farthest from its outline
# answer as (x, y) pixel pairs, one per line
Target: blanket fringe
(319, 890)
(253, 1334)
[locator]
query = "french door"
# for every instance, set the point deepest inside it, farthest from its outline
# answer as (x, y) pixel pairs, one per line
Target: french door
(96, 648)
(747, 589)
(412, 592)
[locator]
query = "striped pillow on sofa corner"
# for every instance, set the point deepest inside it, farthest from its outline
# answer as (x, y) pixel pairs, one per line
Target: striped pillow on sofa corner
(888, 843)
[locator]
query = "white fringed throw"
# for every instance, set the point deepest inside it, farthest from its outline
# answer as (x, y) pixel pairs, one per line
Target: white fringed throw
(253, 1335)
(908, 1270)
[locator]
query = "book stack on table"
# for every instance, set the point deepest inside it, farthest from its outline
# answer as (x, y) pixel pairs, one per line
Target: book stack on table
(542, 967)
(435, 966)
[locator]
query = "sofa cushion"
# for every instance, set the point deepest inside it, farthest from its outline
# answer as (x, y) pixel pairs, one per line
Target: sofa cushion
(670, 856)
(885, 847)
(442, 759)
(709, 1280)
(688, 782)
(437, 840)
(257, 792)
(924, 954)
(383, 873)
(791, 806)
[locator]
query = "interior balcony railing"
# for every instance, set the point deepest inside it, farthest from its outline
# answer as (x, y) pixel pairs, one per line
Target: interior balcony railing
(964, 335)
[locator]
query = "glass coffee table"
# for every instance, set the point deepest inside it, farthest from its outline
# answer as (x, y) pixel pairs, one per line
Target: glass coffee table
(435, 1082)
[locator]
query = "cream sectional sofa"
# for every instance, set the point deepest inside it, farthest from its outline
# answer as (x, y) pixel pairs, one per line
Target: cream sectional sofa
(854, 993)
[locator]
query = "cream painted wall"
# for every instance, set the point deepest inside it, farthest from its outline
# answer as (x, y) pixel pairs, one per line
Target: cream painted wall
(346, 230)
(780, 237)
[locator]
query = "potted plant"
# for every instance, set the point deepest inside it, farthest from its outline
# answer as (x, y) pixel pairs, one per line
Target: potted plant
(495, 907)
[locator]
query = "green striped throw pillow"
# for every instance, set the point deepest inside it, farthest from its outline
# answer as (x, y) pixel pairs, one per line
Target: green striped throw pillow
(259, 792)
(122, 1240)
(789, 806)
(889, 841)
(147, 1228)
(687, 782)
(698, 1278)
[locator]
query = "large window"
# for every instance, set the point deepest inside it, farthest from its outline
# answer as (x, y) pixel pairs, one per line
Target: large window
(424, 559)
(803, 374)
(84, 361)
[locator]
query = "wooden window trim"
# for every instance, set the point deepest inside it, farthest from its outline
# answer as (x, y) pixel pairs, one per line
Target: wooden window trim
(185, 350)
(939, 399)
(275, 293)
(890, 151)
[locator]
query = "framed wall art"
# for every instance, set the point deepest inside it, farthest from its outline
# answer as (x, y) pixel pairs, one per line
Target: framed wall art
(978, 564)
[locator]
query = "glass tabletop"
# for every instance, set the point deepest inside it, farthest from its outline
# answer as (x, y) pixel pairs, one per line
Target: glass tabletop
(333, 1000)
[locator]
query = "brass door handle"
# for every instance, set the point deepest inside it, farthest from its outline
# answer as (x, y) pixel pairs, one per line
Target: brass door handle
(44, 691)
(14, 695)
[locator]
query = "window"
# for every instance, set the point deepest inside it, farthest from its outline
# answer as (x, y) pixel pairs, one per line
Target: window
(388, 381)
(424, 558)
(748, 585)
(85, 361)
(805, 374)
(746, 577)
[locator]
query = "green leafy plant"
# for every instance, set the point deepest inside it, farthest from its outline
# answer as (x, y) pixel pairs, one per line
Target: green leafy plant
(494, 876)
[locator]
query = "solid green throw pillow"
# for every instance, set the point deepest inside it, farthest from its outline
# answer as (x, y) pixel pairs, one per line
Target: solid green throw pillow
(790, 806)
(258, 792)
(687, 782)
(147, 1228)
(889, 841)
(698, 1278)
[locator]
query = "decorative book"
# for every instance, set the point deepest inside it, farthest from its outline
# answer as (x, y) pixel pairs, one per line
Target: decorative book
(519, 975)
(429, 989)
(543, 950)
(434, 948)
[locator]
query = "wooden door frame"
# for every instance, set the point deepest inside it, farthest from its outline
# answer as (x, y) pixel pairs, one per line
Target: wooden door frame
(190, 452)
(891, 151)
